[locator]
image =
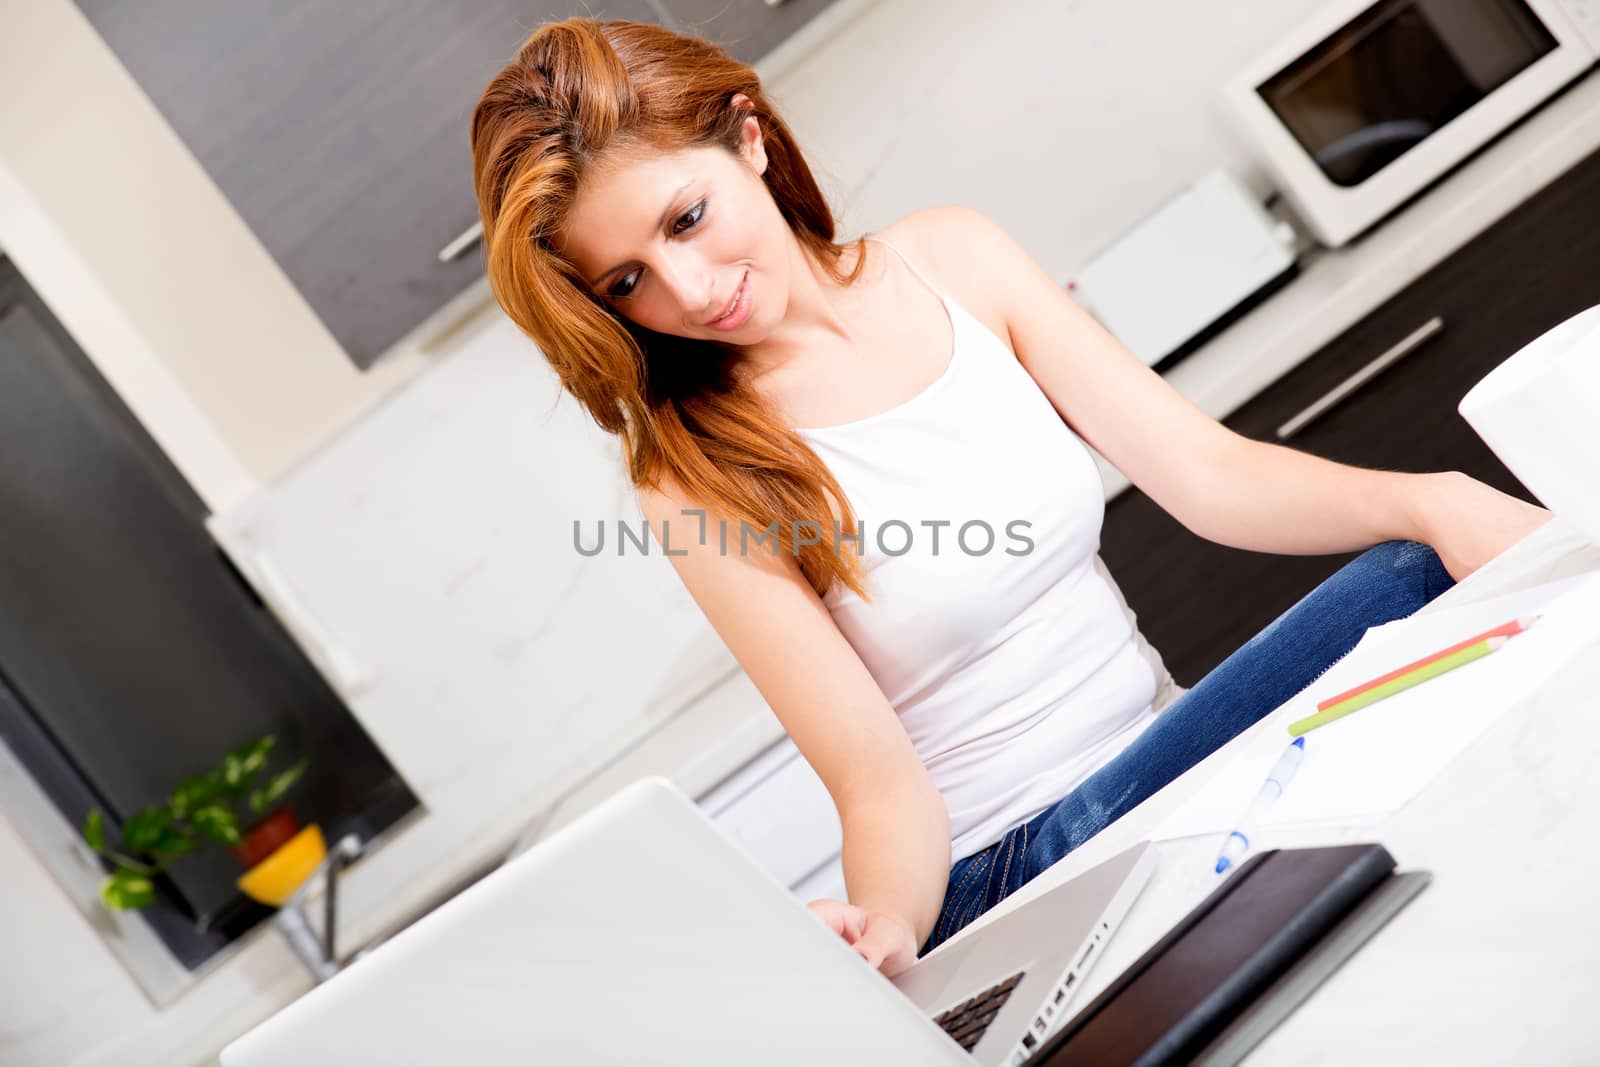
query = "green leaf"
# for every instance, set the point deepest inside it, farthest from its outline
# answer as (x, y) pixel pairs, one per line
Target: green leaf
(94, 830)
(217, 822)
(130, 864)
(269, 794)
(241, 765)
(194, 792)
(145, 828)
(175, 841)
(125, 890)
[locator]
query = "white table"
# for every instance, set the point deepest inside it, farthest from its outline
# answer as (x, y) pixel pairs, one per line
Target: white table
(1498, 961)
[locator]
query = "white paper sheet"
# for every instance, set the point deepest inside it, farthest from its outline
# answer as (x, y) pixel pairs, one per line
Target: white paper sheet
(1359, 769)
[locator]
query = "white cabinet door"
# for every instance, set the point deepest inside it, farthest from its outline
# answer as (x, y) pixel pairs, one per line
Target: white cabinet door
(780, 813)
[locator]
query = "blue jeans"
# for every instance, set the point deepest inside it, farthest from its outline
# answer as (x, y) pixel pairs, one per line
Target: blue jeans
(1387, 582)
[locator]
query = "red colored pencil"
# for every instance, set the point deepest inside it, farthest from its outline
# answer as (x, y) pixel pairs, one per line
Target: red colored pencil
(1505, 629)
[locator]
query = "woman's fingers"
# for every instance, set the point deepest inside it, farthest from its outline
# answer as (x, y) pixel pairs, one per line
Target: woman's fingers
(871, 948)
(846, 920)
(829, 912)
(888, 944)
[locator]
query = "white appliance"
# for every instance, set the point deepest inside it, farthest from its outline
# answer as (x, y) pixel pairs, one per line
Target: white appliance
(1180, 275)
(1369, 103)
(642, 934)
(1537, 412)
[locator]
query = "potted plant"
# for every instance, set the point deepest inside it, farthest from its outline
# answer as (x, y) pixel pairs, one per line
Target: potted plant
(209, 807)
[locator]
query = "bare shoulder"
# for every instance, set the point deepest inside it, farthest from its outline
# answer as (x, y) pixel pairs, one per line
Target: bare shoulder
(965, 251)
(665, 504)
(954, 239)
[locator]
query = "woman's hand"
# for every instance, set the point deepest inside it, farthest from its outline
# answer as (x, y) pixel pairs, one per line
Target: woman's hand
(1468, 523)
(885, 941)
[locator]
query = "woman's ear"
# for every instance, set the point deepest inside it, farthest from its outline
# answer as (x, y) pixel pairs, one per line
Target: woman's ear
(751, 146)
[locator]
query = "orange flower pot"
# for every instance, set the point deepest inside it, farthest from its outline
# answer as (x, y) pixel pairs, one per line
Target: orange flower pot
(274, 880)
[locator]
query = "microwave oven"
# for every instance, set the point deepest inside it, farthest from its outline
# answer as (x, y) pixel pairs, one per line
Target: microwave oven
(1370, 103)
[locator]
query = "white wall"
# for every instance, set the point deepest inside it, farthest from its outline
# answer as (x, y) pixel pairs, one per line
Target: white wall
(1065, 121)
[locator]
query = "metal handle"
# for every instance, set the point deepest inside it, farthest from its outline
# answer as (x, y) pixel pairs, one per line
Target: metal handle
(469, 237)
(1407, 345)
(319, 953)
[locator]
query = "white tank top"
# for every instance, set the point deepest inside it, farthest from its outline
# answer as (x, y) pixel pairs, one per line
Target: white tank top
(1015, 673)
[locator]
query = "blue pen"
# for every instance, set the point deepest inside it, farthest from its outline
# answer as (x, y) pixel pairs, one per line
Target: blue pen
(1238, 842)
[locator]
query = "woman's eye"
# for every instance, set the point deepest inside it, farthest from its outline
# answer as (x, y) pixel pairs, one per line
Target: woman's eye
(692, 216)
(618, 290)
(689, 219)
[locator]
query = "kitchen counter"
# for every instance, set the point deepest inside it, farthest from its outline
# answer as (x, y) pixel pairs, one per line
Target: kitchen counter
(1494, 962)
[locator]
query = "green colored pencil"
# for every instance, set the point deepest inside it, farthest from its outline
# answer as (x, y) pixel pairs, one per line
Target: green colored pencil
(1390, 688)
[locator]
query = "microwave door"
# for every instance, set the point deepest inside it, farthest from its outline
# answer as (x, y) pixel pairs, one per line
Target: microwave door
(1396, 74)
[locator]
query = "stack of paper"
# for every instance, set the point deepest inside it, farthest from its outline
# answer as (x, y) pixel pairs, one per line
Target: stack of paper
(1366, 765)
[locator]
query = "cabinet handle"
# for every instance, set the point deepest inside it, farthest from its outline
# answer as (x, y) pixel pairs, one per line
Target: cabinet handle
(1331, 399)
(469, 237)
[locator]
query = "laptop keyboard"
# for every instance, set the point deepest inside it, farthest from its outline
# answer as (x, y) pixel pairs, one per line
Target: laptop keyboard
(967, 1021)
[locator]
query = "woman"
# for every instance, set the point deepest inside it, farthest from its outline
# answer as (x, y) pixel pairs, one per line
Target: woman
(651, 224)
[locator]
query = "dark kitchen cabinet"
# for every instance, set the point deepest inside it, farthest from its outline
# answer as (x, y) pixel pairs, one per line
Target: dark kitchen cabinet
(132, 655)
(1539, 265)
(339, 132)
(748, 29)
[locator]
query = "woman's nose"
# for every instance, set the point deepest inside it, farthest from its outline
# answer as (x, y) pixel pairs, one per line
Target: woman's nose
(690, 284)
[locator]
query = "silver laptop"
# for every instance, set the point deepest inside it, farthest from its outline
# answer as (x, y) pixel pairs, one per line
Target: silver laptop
(641, 934)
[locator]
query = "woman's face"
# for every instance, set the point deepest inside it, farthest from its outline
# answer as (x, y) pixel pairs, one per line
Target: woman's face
(687, 243)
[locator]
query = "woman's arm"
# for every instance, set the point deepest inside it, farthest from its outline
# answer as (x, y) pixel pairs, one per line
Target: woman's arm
(896, 861)
(1274, 499)
(896, 829)
(1222, 486)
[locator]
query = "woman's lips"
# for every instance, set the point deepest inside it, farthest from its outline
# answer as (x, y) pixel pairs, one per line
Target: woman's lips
(736, 315)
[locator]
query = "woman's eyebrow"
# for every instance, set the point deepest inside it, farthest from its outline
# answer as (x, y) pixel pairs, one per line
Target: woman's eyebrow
(673, 199)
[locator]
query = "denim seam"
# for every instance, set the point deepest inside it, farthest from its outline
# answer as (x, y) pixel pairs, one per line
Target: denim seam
(955, 894)
(989, 881)
(1011, 844)
(973, 909)
(981, 861)
(963, 912)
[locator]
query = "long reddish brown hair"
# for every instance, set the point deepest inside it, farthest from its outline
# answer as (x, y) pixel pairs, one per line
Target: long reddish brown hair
(576, 89)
